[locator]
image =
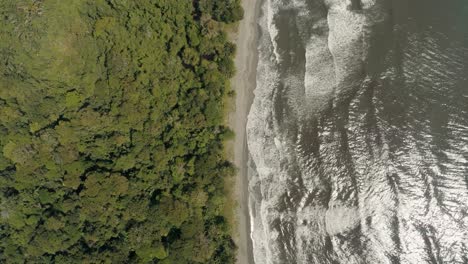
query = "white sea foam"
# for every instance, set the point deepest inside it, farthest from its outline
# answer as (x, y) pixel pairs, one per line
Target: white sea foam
(346, 208)
(264, 144)
(259, 129)
(270, 8)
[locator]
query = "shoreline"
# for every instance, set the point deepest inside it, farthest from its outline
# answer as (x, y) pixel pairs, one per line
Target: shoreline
(243, 83)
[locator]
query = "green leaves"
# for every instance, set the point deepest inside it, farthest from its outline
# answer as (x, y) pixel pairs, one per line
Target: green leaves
(111, 131)
(9, 151)
(227, 11)
(104, 25)
(73, 99)
(151, 252)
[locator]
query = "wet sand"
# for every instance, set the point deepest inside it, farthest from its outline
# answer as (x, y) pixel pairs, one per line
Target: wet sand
(244, 83)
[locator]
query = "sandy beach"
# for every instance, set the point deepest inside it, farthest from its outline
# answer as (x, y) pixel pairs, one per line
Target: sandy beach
(244, 84)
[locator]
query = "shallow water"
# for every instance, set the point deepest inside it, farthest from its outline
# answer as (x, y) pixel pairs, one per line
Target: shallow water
(359, 132)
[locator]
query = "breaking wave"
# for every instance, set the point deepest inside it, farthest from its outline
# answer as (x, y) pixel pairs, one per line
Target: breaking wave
(358, 133)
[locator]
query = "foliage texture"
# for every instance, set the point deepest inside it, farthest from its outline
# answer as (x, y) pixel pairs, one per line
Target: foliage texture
(111, 131)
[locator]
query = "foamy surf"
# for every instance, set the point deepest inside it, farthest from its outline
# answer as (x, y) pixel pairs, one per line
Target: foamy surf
(344, 169)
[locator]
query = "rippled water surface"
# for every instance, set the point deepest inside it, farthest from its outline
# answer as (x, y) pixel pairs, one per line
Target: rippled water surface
(359, 132)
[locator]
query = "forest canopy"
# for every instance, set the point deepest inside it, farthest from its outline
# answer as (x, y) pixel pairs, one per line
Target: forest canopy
(111, 131)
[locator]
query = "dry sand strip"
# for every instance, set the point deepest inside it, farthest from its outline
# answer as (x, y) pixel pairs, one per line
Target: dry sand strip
(244, 83)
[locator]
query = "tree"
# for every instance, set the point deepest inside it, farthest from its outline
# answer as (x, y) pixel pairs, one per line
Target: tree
(111, 132)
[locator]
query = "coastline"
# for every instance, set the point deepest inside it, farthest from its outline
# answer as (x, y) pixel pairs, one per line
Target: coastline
(243, 83)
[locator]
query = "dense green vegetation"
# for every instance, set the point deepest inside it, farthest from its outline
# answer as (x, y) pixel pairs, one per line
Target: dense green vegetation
(111, 131)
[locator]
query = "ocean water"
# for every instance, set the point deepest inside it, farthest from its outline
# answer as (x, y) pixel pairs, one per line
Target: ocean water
(358, 133)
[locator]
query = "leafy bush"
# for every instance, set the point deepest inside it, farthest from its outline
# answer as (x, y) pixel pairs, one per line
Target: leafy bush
(111, 131)
(223, 10)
